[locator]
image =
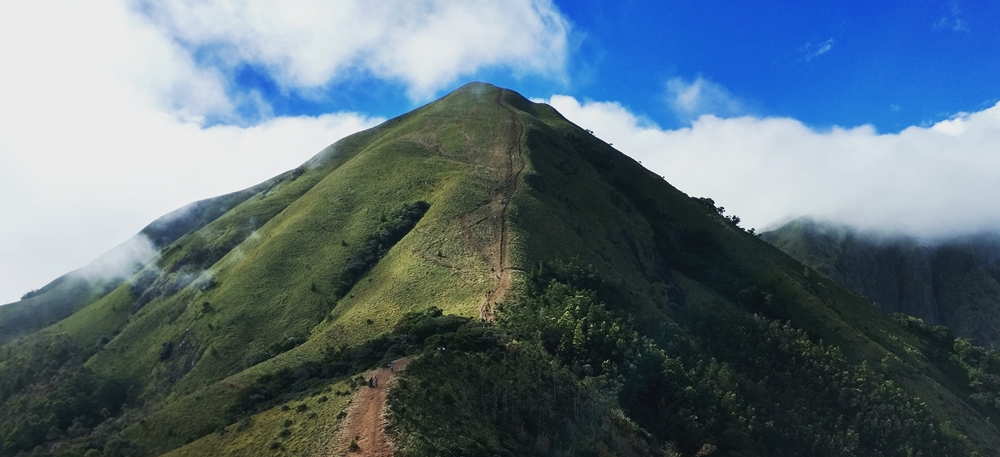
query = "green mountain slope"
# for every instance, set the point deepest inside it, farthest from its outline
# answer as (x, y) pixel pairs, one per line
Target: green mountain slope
(954, 282)
(560, 299)
(73, 291)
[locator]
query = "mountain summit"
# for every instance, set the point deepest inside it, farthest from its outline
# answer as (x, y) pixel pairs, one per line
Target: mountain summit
(546, 293)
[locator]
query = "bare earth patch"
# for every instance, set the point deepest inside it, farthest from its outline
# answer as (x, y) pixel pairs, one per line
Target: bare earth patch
(515, 166)
(365, 422)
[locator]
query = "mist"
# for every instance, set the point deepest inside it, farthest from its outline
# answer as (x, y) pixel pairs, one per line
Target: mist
(931, 182)
(150, 117)
(113, 267)
(122, 261)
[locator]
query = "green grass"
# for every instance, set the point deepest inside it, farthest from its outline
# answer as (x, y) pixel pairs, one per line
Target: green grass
(285, 429)
(275, 258)
(737, 260)
(280, 280)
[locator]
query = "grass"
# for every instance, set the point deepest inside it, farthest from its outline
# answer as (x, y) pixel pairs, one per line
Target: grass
(286, 429)
(54, 302)
(279, 280)
(274, 260)
(816, 304)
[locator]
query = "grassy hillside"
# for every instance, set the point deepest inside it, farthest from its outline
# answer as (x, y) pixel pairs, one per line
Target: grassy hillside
(73, 291)
(502, 245)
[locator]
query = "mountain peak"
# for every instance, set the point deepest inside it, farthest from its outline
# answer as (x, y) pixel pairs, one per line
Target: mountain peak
(502, 245)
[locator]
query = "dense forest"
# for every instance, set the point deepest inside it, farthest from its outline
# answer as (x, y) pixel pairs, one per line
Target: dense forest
(736, 382)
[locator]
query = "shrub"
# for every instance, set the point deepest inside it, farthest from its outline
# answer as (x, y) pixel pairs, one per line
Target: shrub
(378, 245)
(166, 350)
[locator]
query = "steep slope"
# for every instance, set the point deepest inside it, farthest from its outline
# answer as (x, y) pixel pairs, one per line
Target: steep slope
(263, 277)
(503, 245)
(953, 282)
(75, 290)
(698, 258)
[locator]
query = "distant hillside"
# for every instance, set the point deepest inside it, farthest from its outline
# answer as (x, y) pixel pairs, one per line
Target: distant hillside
(73, 291)
(555, 298)
(953, 282)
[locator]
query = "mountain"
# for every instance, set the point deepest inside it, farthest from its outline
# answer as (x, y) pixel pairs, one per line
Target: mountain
(75, 290)
(953, 282)
(546, 293)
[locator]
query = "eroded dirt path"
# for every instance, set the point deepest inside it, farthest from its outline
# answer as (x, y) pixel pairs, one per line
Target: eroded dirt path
(365, 422)
(515, 166)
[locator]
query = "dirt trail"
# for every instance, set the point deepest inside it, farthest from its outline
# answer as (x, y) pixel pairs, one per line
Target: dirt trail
(365, 422)
(515, 166)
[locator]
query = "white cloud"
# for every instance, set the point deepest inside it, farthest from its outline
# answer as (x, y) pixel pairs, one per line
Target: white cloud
(425, 44)
(103, 102)
(952, 21)
(689, 100)
(928, 181)
(953, 24)
(820, 49)
(100, 134)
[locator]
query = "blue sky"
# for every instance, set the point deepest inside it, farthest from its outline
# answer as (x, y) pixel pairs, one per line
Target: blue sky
(881, 115)
(888, 64)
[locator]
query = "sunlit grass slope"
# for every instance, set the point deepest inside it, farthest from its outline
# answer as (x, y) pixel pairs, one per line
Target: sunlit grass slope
(248, 286)
(305, 426)
(75, 290)
(265, 271)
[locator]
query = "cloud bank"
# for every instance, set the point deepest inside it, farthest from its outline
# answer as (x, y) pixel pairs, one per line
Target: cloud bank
(692, 99)
(424, 44)
(103, 102)
(926, 181)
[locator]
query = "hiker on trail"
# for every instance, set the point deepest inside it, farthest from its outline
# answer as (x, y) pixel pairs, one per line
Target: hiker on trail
(376, 380)
(391, 369)
(370, 383)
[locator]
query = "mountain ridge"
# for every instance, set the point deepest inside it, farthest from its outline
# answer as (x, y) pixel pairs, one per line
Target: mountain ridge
(954, 282)
(542, 252)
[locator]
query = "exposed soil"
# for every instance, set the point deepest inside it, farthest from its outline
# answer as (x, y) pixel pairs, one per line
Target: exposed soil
(514, 168)
(498, 159)
(365, 422)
